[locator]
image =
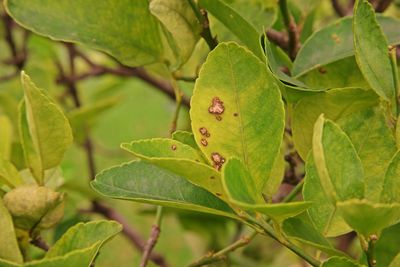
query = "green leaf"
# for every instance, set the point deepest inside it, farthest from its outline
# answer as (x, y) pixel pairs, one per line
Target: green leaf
(387, 246)
(178, 158)
(178, 18)
(9, 249)
(235, 99)
(46, 133)
(276, 176)
(186, 138)
(369, 218)
(339, 262)
(375, 145)
(371, 50)
(143, 182)
(338, 165)
(395, 262)
(132, 37)
(5, 137)
(300, 228)
(322, 213)
(236, 24)
(391, 185)
(335, 104)
(9, 174)
(279, 211)
(335, 42)
(84, 235)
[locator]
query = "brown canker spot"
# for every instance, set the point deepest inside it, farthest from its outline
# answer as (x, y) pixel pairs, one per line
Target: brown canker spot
(218, 160)
(212, 177)
(204, 142)
(322, 70)
(204, 132)
(173, 147)
(235, 114)
(217, 106)
(336, 38)
(218, 117)
(218, 194)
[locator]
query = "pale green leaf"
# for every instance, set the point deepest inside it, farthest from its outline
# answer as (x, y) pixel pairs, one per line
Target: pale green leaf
(387, 246)
(335, 42)
(335, 104)
(178, 158)
(373, 140)
(179, 20)
(84, 235)
(9, 174)
(9, 249)
(48, 134)
(5, 137)
(246, 32)
(322, 213)
(391, 185)
(340, 262)
(369, 218)
(395, 262)
(338, 165)
(143, 182)
(371, 50)
(237, 111)
(186, 138)
(276, 176)
(132, 37)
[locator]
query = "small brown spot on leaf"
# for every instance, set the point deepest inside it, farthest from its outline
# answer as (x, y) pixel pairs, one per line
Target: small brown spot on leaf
(218, 194)
(173, 147)
(217, 106)
(204, 142)
(218, 160)
(336, 38)
(235, 114)
(322, 70)
(204, 132)
(212, 177)
(218, 117)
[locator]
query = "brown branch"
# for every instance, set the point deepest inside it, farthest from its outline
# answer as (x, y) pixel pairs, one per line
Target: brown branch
(278, 38)
(291, 28)
(339, 9)
(40, 243)
(382, 5)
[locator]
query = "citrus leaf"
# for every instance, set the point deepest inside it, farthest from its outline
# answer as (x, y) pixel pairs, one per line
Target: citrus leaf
(5, 137)
(340, 262)
(132, 37)
(9, 174)
(235, 99)
(186, 138)
(143, 182)
(391, 185)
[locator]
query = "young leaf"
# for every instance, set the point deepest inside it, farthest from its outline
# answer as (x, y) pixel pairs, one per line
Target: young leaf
(9, 174)
(180, 21)
(340, 262)
(335, 104)
(241, 191)
(45, 131)
(84, 235)
(375, 145)
(9, 249)
(338, 165)
(178, 158)
(143, 182)
(371, 50)
(369, 218)
(323, 213)
(5, 137)
(335, 42)
(237, 111)
(391, 185)
(236, 24)
(124, 29)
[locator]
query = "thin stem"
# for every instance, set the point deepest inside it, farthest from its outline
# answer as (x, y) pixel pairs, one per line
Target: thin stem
(396, 79)
(291, 28)
(370, 252)
(295, 191)
(339, 9)
(40, 243)
(221, 255)
(152, 241)
(202, 17)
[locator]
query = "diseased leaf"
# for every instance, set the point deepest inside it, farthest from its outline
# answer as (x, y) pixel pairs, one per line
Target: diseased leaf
(322, 213)
(235, 100)
(340, 262)
(236, 24)
(143, 182)
(371, 50)
(373, 140)
(5, 137)
(335, 104)
(132, 37)
(391, 185)
(335, 42)
(84, 235)
(9, 249)
(338, 165)
(369, 218)
(45, 131)
(180, 159)
(179, 20)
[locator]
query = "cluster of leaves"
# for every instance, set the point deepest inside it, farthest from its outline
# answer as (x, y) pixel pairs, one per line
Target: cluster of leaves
(343, 122)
